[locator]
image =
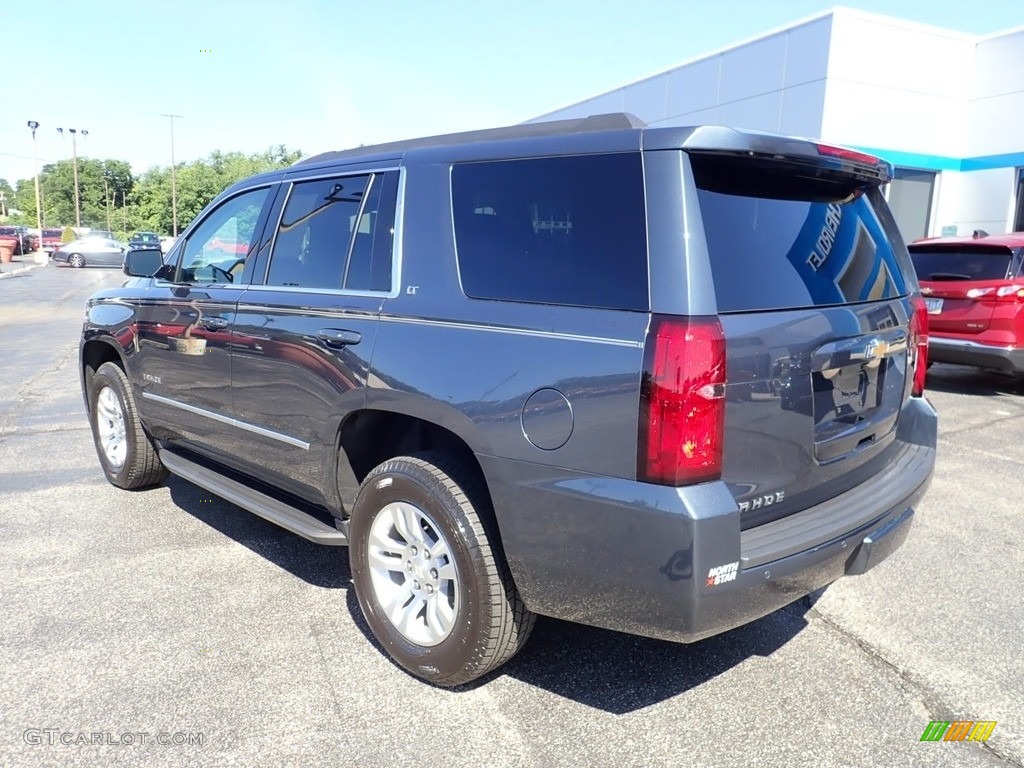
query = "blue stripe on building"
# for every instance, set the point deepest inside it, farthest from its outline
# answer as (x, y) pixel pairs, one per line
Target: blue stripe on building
(941, 163)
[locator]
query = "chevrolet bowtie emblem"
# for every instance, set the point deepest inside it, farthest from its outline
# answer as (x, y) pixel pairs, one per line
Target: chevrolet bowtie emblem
(876, 350)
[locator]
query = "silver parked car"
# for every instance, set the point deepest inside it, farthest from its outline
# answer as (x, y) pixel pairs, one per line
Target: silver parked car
(91, 251)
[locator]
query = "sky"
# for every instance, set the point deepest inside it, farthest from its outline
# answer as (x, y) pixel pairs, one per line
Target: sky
(318, 75)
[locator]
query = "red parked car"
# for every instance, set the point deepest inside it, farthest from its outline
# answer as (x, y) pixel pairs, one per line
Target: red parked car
(974, 290)
(52, 239)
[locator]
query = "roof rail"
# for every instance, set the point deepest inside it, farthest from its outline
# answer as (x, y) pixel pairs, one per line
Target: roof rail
(612, 121)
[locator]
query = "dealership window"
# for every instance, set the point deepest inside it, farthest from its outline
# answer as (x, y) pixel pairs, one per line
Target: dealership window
(1018, 216)
(910, 198)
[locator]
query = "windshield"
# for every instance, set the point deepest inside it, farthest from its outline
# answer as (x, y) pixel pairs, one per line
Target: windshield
(962, 262)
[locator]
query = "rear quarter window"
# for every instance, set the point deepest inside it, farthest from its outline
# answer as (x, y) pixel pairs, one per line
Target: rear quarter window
(786, 252)
(557, 230)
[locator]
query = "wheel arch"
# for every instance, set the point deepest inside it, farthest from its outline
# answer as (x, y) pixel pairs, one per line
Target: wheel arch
(94, 353)
(369, 437)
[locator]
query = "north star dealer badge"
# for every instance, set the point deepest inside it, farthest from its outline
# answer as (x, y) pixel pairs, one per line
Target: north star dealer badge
(722, 574)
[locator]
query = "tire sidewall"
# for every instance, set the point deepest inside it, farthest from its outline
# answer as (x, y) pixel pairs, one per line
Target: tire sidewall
(457, 651)
(116, 475)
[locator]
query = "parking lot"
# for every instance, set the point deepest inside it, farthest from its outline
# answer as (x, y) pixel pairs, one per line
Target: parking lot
(167, 627)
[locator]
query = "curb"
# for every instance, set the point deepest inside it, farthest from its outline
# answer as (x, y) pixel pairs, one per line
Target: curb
(20, 270)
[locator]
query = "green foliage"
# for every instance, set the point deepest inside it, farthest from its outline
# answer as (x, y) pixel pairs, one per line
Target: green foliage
(67, 235)
(111, 197)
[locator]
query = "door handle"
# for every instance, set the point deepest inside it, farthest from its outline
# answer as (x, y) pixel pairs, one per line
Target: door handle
(334, 337)
(214, 323)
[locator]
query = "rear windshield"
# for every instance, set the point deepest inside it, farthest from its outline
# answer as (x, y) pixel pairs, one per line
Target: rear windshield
(779, 240)
(962, 262)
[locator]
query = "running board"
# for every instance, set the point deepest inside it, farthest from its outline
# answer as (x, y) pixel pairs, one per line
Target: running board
(261, 504)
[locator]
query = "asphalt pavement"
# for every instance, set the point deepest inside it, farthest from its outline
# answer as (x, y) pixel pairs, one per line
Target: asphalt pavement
(168, 627)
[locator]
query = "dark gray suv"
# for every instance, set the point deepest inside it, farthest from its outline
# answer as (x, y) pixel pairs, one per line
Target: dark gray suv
(663, 381)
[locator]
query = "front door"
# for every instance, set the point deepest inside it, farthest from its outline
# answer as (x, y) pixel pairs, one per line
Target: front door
(184, 334)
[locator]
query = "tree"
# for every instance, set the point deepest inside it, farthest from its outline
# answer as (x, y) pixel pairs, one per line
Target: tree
(142, 202)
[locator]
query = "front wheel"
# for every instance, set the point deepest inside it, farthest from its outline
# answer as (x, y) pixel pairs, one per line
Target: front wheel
(126, 453)
(429, 575)
(76, 260)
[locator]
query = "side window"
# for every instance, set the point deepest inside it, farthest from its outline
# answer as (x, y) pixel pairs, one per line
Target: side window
(216, 250)
(316, 232)
(557, 230)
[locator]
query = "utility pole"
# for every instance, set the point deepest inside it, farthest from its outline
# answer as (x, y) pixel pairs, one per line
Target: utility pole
(174, 181)
(106, 196)
(32, 124)
(74, 154)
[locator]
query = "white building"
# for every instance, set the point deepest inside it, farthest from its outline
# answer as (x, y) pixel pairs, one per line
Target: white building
(944, 107)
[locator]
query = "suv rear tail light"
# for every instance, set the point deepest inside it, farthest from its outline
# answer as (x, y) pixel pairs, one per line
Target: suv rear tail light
(919, 345)
(682, 401)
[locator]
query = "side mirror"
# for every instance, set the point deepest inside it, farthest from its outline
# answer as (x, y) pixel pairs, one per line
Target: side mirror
(143, 262)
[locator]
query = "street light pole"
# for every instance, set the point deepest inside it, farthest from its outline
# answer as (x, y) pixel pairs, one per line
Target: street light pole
(32, 124)
(74, 154)
(174, 180)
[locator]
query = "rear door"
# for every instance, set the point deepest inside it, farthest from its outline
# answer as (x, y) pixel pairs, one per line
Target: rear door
(962, 282)
(812, 289)
(305, 330)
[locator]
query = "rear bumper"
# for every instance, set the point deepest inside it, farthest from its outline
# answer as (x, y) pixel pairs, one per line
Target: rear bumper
(672, 563)
(963, 352)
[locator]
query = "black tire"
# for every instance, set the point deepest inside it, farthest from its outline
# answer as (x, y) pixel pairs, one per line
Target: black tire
(135, 464)
(76, 260)
(489, 622)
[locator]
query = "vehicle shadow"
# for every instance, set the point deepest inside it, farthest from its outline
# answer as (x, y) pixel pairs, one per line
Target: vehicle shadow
(619, 673)
(964, 380)
(321, 566)
(606, 670)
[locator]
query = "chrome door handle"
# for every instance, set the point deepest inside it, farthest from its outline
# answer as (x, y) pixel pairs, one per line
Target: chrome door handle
(214, 323)
(334, 337)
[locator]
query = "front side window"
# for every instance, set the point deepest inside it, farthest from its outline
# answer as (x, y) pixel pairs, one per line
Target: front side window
(555, 230)
(216, 250)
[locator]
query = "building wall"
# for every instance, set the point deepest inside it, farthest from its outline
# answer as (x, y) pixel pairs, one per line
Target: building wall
(922, 97)
(774, 83)
(888, 81)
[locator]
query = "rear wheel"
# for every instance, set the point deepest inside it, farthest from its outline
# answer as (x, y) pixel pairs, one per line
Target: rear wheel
(76, 260)
(428, 573)
(126, 453)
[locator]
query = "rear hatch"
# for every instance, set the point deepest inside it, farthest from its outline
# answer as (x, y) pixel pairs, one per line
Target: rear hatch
(815, 295)
(963, 283)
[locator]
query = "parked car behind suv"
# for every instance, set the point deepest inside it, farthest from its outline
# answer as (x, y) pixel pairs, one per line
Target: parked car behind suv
(144, 240)
(90, 252)
(660, 380)
(974, 289)
(52, 239)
